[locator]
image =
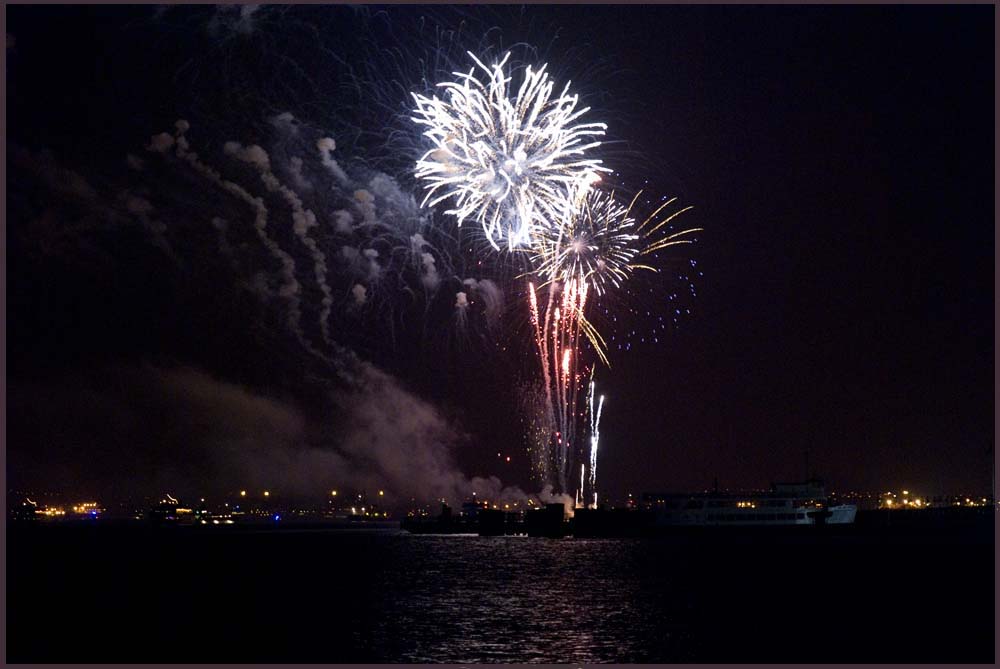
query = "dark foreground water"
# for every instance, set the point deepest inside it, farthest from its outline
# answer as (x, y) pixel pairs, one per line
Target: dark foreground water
(103, 594)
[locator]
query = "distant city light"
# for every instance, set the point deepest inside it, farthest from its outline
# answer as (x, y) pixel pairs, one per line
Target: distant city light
(267, 493)
(243, 493)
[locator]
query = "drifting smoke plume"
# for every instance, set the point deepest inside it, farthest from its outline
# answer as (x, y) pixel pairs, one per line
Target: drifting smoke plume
(360, 294)
(328, 244)
(491, 296)
(303, 219)
(326, 146)
(134, 162)
(142, 209)
(202, 434)
(290, 288)
(546, 496)
(343, 221)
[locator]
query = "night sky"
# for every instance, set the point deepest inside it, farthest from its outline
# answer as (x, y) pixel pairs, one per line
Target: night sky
(840, 160)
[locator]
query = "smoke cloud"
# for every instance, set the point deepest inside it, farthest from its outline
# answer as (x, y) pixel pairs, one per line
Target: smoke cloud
(142, 429)
(130, 428)
(326, 146)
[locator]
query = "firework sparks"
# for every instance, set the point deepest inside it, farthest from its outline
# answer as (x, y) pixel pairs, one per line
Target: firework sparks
(598, 242)
(599, 245)
(595, 244)
(557, 338)
(508, 159)
(595, 436)
(651, 244)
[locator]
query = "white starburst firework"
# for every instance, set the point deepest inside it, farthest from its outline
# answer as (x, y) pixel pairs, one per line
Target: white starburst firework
(595, 243)
(508, 158)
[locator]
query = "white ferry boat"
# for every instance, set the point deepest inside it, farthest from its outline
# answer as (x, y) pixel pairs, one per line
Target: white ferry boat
(785, 504)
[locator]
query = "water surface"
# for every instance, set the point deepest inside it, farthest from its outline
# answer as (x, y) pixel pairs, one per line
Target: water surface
(131, 594)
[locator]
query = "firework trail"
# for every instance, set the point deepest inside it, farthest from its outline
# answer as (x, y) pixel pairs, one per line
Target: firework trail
(557, 334)
(595, 437)
(508, 162)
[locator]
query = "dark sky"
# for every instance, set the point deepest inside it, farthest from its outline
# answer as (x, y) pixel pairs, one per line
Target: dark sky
(840, 160)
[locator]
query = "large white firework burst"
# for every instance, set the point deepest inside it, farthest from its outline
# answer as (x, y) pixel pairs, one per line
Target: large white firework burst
(508, 158)
(595, 243)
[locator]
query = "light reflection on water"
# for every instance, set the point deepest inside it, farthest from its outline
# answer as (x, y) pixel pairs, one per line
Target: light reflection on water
(514, 599)
(362, 597)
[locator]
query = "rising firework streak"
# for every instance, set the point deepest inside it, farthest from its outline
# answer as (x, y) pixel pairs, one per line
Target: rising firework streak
(595, 436)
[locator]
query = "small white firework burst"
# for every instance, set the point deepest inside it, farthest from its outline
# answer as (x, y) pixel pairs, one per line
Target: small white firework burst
(595, 244)
(508, 157)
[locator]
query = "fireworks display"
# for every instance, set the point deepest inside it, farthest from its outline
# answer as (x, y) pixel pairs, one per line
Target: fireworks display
(515, 163)
(370, 249)
(347, 260)
(507, 161)
(427, 246)
(500, 146)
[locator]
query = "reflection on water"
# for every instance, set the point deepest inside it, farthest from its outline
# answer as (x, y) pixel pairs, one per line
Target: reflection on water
(514, 599)
(391, 597)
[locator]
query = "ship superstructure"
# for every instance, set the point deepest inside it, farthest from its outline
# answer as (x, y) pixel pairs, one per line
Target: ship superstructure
(803, 503)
